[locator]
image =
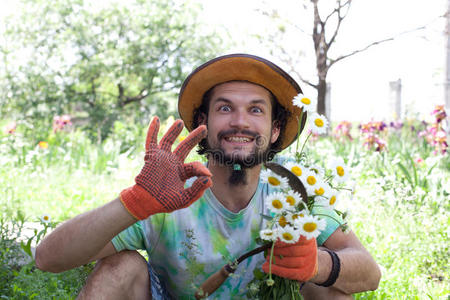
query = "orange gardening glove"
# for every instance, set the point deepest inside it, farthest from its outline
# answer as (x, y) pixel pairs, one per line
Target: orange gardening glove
(298, 261)
(159, 187)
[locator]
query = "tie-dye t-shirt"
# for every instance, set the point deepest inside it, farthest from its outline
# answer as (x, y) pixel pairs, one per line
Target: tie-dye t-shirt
(186, 246)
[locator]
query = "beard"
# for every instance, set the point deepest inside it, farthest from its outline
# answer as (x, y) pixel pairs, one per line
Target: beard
(239, 164)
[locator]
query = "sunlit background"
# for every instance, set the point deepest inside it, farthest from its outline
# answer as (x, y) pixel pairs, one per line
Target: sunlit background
(359, 85)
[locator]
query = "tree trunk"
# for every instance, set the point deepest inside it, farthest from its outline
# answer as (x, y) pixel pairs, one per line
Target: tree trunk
(321, 94)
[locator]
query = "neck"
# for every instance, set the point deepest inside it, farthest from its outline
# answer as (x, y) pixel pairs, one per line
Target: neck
(233, 197)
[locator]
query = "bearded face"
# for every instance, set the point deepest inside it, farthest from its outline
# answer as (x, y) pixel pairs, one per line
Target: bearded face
(240, 129)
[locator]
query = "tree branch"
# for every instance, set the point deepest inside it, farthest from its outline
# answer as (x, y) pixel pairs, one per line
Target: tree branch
(340, 19)
(142, 95)
(333, 61)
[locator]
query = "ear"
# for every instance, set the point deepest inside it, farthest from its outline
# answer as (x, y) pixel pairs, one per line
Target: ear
(275, 132)
(202, 119)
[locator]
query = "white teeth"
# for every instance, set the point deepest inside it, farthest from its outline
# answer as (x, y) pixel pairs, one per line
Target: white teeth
(238, 139)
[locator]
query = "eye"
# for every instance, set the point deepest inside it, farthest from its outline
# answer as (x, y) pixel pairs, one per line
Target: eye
(256, 110)
(224, 108)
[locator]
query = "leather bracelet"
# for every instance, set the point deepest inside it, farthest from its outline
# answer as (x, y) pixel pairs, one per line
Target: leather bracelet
(335, 269)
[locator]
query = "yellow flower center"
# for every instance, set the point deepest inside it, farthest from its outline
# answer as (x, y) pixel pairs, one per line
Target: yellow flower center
(277, 204)
(319, 191)
(306, 101)
(270, 233)
(295, 217)
(310, 227)
(287, 236)
(340, 171)
(274, 181)
(311, 180)
(332, 200)
(290, 200)
(318, 122)
(282, 221)
(296, 170)
(46, 218)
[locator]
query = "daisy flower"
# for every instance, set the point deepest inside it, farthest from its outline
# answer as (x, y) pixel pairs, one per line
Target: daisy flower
(339, 170)
(294, 218)
(292, 199)
(296, 168)
(305, 103)
(289, 235)
(275, 202)
(282, 221)
(45, 218)
(318, 123)
(311, 226)
(322, 189)
(330, 201)
(310, 180)
(317, 169)
(268, 234)
(273, 179)
(334, 198)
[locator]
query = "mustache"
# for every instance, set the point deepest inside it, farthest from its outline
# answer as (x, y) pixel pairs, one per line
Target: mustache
(223, 133)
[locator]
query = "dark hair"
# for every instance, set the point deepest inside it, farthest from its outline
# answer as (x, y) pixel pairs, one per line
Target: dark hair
(279, 114)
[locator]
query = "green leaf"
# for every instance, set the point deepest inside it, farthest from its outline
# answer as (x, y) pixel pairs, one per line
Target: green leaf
(27, 247)
(406, 173)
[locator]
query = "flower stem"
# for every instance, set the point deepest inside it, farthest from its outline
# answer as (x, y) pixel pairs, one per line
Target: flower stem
(298, 131)
(305, 142)
(270, 261)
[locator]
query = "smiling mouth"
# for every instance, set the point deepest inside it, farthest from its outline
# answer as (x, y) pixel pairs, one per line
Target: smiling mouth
(238, 139)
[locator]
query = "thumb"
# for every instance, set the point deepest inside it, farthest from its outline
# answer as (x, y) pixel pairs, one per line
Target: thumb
(193, 193)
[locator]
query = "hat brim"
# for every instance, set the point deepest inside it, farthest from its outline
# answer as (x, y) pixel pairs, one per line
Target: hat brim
(242, 67)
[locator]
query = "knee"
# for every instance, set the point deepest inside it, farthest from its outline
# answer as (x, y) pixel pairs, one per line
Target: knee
(122, 269)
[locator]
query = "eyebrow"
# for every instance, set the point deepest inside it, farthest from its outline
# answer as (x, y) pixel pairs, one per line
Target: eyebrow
(255, 101)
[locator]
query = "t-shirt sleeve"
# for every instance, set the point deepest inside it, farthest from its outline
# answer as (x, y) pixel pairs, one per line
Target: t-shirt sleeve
(131, 238)
(332, 219)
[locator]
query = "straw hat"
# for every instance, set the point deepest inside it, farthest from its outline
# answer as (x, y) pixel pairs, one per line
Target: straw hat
(244, 67)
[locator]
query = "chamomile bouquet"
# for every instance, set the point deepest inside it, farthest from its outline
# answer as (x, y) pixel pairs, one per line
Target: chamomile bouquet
(301, 191)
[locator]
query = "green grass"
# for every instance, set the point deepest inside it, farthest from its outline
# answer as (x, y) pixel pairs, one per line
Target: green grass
(399, 209)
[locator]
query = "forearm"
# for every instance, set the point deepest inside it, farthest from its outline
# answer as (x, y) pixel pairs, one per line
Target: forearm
(358, 271)
(78, 240)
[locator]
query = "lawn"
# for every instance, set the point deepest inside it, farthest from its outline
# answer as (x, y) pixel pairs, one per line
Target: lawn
(398, 205)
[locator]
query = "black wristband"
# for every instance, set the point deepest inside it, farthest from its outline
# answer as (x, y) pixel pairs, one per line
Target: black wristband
(335, 268)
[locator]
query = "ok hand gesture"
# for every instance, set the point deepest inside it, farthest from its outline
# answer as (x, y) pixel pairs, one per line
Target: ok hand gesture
(160, 184)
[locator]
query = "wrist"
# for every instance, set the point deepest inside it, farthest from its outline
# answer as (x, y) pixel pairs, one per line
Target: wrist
(139, 203)
(335, 269)
(324, 263)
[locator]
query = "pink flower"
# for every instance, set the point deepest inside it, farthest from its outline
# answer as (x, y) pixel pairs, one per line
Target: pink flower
(342, 130)
(61, 122)
(11, 128)
(418, 160)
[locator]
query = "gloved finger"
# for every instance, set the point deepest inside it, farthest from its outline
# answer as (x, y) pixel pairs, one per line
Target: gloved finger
(190, 141)
(193, 193)
(152, 133)
(301, 248)
(195, 168)
(291, 262)
(171, 135)
(303, 274)
(301, 241)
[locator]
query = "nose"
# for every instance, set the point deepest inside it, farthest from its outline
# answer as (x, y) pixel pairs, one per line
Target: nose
(239, 120)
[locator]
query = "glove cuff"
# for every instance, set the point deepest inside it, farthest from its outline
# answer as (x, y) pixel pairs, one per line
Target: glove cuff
(139, 203)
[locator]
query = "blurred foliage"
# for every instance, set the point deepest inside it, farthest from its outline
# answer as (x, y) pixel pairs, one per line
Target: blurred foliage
(400, 214)
(98, 62)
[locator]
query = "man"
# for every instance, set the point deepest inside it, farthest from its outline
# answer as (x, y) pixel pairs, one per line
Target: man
(245, 102)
